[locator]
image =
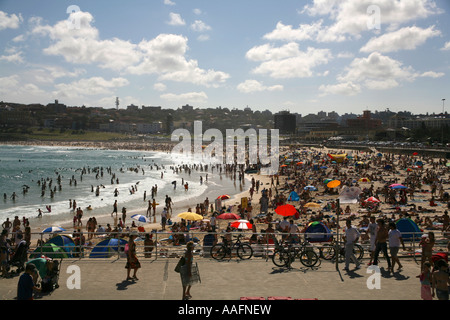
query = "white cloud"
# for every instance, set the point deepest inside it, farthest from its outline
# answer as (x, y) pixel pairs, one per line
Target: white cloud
(197, 11)
(251, 86)
(344, 88)
(288, 33)
(432, 74)
(14, 55)
(203, 37)
(376, 72)
(9, 21)
(160, 86)
(164, 55)
(408, 38)
(350, 18)
(176, 20)
(89, 87)
(169, 3)
(287, 61)
(200, 26)
(83, 46)
(189, 97)
(446, 46)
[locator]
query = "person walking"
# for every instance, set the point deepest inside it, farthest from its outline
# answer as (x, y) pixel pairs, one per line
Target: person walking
(189, 272)
(132, 260)
(351, 237)
(395, 239)
(381, 243)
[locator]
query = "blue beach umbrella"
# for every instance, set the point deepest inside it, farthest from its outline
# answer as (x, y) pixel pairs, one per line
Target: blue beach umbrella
(140, 218)
(53, 230)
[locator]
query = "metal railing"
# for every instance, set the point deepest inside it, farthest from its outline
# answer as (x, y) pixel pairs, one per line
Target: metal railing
(172, 244)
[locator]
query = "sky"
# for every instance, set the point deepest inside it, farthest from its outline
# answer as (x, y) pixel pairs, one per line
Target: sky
(301, 56)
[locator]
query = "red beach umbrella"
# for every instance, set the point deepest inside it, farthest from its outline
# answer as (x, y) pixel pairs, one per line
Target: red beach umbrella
(224, 197)
(372, 199)
(286, 210)
(242, 224)
(228, 216)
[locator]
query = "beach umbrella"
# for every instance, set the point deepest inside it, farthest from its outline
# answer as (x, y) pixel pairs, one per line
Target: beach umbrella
(192, 216)
(107, 248)
(286, 210)
(415, 153)
(323, 167)
(50, 250)
(224, 197)
(387, 167)
(327, 180)
(397, 186)
(372, 199)
(310, 188)
(299, 163)
(228, 216)
(241, 224)
(447, 164)
(333, 184)
(53, 229)
(283, 166)
(363, 180)
(312, 205)
(140, 218)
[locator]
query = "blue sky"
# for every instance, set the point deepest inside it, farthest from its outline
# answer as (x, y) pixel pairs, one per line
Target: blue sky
(303, 56)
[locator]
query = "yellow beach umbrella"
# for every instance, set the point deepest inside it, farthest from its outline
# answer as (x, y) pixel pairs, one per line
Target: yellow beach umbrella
(312, 205)
(190, 216)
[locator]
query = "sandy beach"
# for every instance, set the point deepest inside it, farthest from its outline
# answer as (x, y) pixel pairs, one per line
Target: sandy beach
(361, 169)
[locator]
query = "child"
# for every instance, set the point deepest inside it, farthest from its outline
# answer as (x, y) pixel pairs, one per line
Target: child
(425, 281)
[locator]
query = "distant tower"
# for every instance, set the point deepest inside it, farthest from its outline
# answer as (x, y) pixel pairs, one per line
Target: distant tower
(117, 103)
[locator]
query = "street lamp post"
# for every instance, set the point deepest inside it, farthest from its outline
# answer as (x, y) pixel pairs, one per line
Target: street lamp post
(443, 122)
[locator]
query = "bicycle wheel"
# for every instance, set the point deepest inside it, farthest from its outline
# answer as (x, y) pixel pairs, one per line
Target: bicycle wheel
(308, 257)
(244, 251)
(358, 251)
(327, 252)
(218, 251)
(280, 258)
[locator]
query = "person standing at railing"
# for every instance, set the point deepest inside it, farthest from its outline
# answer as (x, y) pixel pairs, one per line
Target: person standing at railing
(351, 237)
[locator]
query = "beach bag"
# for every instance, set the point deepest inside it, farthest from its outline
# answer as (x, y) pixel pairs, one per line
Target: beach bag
(127, 248)
(180, 263)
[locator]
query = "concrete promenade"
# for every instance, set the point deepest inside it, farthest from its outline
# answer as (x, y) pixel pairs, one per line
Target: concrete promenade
(104, 279)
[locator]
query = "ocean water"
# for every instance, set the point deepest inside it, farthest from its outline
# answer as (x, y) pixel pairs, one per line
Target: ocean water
(28, 167)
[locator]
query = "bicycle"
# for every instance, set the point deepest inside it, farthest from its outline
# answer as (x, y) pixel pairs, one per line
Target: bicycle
(243, 250)
(328, 251)
(285, 256)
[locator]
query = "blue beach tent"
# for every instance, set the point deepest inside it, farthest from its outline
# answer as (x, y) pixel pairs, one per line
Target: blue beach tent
(64, 242)
(293, 196)
(107, 248)
(409, 229)
(318, 232)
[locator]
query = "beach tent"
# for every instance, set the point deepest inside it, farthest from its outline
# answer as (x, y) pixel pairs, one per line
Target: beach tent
(409, 229)
(64, 242)
(293, 196)
(107, 248)
(318, 232)
(50, 250)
